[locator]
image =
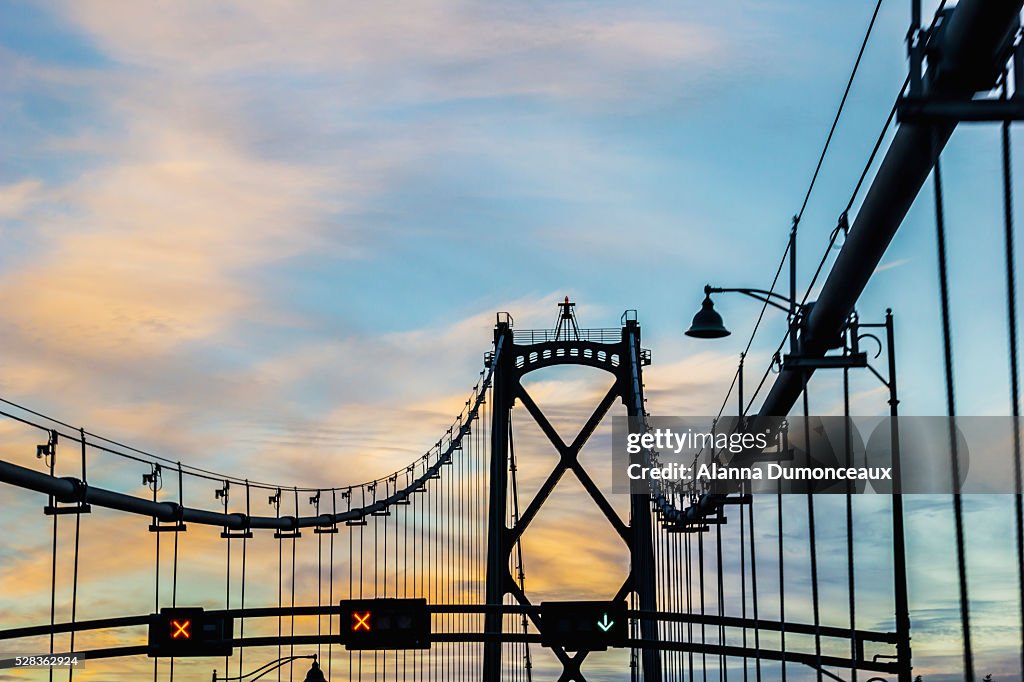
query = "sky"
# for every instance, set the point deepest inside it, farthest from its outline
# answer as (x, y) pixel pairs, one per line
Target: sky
(271, 238)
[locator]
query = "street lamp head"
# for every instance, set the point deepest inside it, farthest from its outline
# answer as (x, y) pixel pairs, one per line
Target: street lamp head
(707, 323)
(315, 674)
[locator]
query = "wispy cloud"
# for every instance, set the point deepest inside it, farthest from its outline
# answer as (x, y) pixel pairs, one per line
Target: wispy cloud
(899, 262)
(16, 198)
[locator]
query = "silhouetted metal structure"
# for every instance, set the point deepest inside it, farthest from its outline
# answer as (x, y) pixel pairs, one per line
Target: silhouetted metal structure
(447, 528)
(617, 352)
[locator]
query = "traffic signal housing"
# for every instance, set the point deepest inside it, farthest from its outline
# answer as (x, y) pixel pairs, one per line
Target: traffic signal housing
(579, 625)
(385, 624)
(182, 632)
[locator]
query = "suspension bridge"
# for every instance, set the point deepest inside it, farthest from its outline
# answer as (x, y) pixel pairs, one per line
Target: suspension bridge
(423, 572)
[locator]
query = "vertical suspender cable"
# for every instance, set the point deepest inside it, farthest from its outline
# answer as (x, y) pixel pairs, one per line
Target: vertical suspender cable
(276, 499)
(227, 570)
(399, 558)
(405, 566)
(666, 600)
(676, 578)
(440, 566)
(174, 567)
(444, 517)
(466, 535)
(350, 531)
(245, 541)
(401, 555)
(681, 601)
(700, 575)
(470, 569)
(319, 581)
(664, 562)
(723, 672)
(291, 648)
(480, 514)
(362, 528)
(156, 584)
(753, 591)
(850, 575)
(1011, 313)
(330, 582)
(395, 565)
(743, 590)
(812, 542)
(419, 566)
(460, 547)
(450, 563)
(782, 589)
(74, 573)
(410, 579)
(658, 580)
(658, 559)
(482, 499)
(474, 537)
(379, 569)
(351, 570)
(453, 541)
(689, 602)
(53, 553)
(815, 606)
(435, 563)
(947, 351)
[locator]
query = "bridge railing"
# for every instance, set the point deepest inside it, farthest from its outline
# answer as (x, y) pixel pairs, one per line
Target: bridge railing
(600, 335)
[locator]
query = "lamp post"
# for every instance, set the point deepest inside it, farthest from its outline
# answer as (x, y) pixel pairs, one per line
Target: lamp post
(314, 674)
(708, 324)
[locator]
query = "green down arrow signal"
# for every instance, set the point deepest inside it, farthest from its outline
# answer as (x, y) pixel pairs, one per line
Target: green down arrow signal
(605, 624)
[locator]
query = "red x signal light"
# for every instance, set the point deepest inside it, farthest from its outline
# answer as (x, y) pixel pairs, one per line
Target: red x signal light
(386, 623)
(181, 629)
(361, 621)
(189, 631)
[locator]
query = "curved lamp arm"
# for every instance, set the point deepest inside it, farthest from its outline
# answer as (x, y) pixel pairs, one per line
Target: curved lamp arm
(762, 295)
(262, 670)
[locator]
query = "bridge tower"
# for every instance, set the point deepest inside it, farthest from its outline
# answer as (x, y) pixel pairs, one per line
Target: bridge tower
(516, 354)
